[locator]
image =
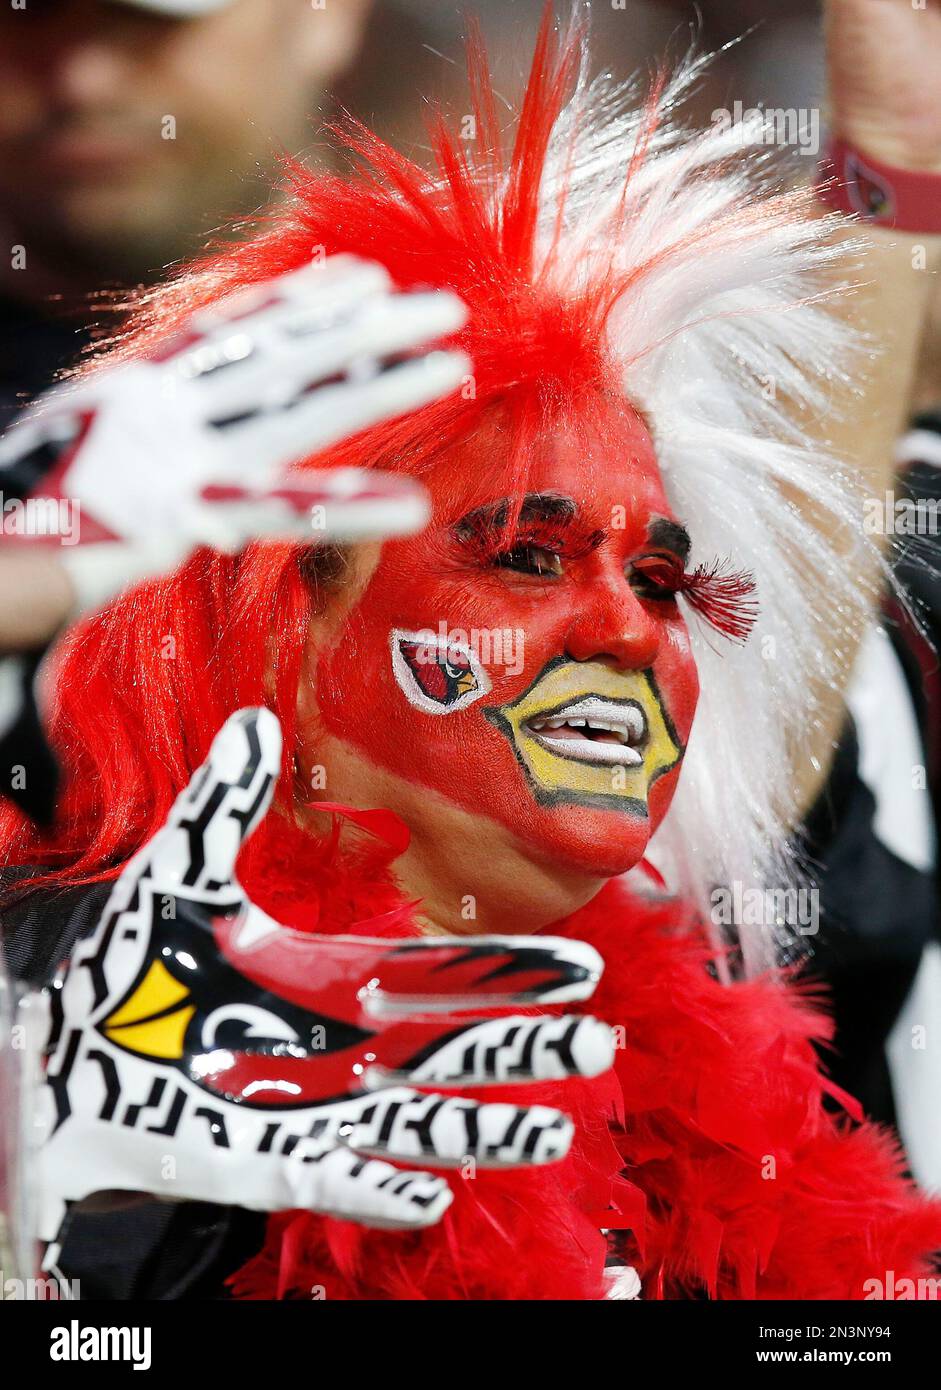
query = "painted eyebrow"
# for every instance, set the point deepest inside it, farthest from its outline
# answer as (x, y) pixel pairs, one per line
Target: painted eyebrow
(535, 506)
(671, 536)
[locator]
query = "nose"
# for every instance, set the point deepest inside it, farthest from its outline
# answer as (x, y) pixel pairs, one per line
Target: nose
(612, 623)
(88, 70)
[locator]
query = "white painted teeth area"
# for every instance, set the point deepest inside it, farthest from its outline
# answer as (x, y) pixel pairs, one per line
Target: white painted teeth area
(593, 731)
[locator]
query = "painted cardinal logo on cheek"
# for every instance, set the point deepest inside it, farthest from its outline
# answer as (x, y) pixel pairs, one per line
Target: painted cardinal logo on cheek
(435, 673)
(443, 678)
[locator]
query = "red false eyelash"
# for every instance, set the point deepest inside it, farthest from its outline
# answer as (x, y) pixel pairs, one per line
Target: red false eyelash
(723, 596)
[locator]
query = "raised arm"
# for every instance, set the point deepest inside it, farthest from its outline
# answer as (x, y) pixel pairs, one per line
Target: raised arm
(883, 66)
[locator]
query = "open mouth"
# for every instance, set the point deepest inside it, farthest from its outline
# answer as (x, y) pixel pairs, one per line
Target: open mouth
(607, 732)
(589, 735)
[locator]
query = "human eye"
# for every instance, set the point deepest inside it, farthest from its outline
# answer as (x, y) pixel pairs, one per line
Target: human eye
(530, 559)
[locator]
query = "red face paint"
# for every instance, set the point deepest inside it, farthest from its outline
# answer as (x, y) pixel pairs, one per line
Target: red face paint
(533, 675)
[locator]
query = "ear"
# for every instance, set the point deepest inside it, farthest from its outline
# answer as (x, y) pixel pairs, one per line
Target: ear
(338, 577)
(306, 686)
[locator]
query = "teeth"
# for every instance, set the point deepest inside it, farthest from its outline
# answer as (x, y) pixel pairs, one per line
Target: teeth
(594, 714)
(637, 723)
(626, 721)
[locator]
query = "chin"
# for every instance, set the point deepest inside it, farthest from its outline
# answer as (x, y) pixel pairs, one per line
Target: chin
(584, 840)
(602, 841)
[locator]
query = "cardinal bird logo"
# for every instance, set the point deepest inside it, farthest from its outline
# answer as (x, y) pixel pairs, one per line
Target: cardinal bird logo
(436, 674)
(189, 1008)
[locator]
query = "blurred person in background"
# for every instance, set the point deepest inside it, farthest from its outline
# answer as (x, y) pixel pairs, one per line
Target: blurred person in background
(129, 130)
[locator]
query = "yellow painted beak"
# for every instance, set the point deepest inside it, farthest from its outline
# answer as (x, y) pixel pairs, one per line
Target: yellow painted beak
(153, 1019)
(615, 741)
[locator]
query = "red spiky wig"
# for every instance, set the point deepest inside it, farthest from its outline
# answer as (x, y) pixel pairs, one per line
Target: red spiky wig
(609, 261)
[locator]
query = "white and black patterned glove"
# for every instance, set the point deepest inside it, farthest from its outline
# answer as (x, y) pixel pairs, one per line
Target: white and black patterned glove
(200, 1050)
(130, 469)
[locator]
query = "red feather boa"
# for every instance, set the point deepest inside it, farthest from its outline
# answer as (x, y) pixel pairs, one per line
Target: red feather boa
(708, 1145)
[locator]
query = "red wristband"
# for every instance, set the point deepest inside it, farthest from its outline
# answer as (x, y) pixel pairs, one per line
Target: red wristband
(879, 193)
